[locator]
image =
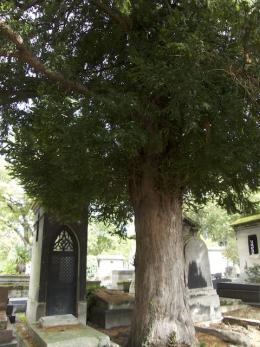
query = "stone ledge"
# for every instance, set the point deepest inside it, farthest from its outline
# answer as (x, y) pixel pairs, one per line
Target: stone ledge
(60, 320)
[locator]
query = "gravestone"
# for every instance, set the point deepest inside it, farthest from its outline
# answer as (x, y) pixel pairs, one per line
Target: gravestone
(58, 274)
(203, 299)
(197, 266)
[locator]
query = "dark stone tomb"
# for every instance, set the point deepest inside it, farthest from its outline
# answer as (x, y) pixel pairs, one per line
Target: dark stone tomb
(58, 277)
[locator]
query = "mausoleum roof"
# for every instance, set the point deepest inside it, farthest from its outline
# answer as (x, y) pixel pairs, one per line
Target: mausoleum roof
(246, 220)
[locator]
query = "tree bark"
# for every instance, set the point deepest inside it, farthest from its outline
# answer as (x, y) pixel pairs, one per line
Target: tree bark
(162, 316)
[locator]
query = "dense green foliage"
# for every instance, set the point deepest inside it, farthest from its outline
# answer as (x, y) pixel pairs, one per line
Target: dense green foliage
(165, 87)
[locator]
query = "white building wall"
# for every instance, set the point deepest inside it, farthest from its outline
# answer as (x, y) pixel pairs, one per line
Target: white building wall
(245, 258)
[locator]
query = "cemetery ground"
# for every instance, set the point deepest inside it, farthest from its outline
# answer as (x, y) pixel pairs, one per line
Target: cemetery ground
(120, 335)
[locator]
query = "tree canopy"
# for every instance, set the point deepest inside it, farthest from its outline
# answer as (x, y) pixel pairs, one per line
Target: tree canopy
(129, 106)
(94, 91)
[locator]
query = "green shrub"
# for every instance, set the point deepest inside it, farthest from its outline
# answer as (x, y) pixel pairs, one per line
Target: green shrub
(9, 267)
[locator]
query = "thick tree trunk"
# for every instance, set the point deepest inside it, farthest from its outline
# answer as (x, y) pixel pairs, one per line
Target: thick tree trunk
(162, 316)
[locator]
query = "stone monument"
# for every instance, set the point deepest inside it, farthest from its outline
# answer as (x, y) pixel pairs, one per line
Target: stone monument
(58, 275)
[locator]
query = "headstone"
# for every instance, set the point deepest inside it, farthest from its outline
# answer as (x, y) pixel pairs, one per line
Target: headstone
(197, 264)
(111, 308)
(203, 299)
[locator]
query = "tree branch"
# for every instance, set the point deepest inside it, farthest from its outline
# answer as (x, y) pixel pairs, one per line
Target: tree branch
(23, 239)
(27, 56)
(116, 16)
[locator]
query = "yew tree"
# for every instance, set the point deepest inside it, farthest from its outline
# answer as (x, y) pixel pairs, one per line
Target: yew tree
(132, 106)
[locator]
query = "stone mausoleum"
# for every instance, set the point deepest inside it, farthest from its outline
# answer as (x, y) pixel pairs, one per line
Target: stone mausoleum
(58, 277)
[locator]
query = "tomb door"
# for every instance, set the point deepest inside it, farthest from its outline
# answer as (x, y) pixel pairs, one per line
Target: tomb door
(62, 275)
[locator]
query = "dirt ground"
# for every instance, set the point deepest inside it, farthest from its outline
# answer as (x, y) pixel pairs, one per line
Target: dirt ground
(120, 335)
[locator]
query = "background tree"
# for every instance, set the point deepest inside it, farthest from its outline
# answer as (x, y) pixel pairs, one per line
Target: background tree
(16, 223)
(131, 106)
(104, 239)
(215, 225)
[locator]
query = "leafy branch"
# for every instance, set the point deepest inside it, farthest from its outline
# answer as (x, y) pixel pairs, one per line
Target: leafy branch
(25, 55)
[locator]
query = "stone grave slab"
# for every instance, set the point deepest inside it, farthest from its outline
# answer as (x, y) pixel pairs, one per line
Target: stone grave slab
(111, 308)
(68, 336)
